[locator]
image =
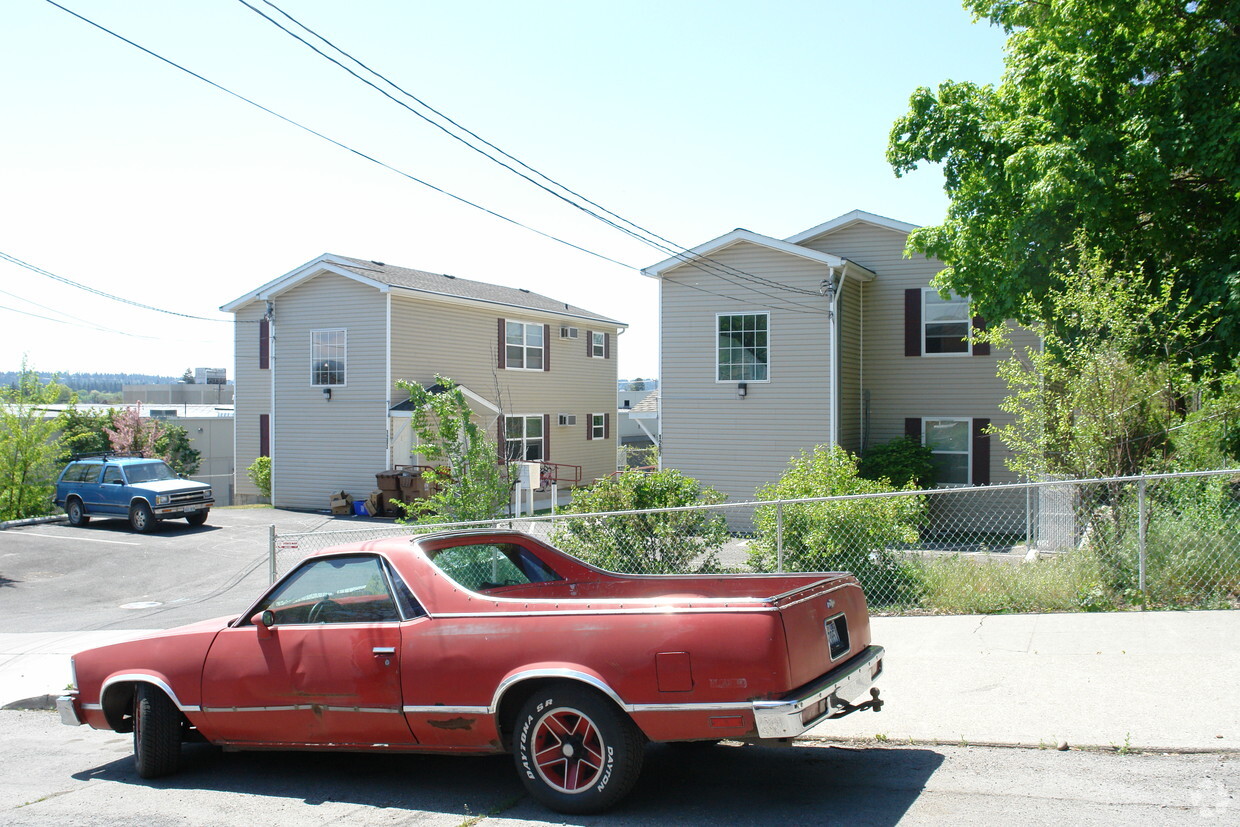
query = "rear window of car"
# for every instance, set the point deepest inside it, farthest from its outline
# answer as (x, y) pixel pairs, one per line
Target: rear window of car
(483, 566)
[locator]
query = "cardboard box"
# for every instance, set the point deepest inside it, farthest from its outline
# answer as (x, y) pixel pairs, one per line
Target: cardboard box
(341, 503)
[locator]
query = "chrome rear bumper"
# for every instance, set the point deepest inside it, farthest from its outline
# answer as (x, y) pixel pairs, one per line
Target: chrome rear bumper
(68, 712)
(793, 714)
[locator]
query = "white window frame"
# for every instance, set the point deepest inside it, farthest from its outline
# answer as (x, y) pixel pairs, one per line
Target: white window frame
(524, 346)
(598, 345)
(718, 349)
(525, 440)
(967, 453)
(567, 332)
(598, 426)
(316, 355)
(925, 323)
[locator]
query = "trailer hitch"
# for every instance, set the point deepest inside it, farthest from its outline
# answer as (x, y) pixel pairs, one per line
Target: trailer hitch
(843, 707)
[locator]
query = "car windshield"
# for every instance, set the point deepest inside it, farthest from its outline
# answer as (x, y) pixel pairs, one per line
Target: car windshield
(149, 472)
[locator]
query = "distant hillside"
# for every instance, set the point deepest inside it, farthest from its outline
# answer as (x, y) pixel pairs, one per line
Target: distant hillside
(102, 382)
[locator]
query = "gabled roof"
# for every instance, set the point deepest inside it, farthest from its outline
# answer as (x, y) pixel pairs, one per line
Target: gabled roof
(388, 277)
(740, 236)
(847, 220)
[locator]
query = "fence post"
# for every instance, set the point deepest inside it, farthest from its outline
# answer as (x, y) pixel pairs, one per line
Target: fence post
(1028, 516)
(1141, 535)
(779, 536)
(271, 552)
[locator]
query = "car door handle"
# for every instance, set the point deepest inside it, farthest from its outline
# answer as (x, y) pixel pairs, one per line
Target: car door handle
(384, 650)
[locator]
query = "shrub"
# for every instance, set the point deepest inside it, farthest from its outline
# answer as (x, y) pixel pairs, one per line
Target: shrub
(861, 536)
(259, 473)
(649, 543)
(901, 462)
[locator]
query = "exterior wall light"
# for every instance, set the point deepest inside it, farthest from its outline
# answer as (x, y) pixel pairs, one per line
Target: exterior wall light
(741, 389)
(327, 394)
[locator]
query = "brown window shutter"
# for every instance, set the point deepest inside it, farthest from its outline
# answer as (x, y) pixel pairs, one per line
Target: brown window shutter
(606, 426)
(980, 348)
(547, 437)
(912, 322)
(981, 452)
(264, 344)
(589, 344)
(912, 428)
(589, 427)
(546, 347)
(264, 435)
(606, 345)
(502, 351)
(499, 438)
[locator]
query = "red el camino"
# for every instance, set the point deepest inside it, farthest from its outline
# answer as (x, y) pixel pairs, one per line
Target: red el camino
(488, 642)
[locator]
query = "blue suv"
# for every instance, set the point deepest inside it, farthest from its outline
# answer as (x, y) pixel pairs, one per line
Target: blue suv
(141, 489)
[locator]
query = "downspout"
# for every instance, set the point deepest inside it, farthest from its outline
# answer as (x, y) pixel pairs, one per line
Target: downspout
(271, 365)
(387, 373)
(831, 289)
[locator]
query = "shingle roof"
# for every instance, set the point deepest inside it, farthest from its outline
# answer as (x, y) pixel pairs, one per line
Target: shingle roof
(446, 285)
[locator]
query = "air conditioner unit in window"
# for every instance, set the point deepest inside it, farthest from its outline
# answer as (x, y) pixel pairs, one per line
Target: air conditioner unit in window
(568, 333)
(568, 419)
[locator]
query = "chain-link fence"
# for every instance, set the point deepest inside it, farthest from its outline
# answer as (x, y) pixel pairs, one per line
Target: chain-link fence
(1157, 541)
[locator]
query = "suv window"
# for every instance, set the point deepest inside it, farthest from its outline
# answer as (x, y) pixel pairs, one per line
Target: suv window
(75, 472)
(90, 471)
(112, 474)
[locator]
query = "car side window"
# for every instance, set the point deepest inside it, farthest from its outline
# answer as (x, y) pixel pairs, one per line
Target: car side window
(334, 590)
(113, 474)
(90, 472)
(74, 472)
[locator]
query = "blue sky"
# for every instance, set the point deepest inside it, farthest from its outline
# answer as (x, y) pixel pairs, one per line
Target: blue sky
(689, 118)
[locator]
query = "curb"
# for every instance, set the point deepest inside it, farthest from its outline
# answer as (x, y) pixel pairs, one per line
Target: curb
(873, 743)
(38, 702)
(54, 518)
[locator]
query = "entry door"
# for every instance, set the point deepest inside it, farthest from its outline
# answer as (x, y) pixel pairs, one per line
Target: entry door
(326, 671)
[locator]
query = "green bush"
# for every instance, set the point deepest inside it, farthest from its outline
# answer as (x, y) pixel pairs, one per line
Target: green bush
(651, 543)
(861, 536)
(902, 462)
(259, 473)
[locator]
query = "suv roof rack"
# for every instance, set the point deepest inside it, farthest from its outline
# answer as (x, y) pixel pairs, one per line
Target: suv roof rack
(105, 455)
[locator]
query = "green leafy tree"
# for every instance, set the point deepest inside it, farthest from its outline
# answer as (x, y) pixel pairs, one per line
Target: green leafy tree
(174, 447)
(467, 481)
(901, 462)
(1115, 122)
(637, 384)
(29, 446)
(861, 536)
(187, 378)
(82, 432)
(259, 473)
(654, 542)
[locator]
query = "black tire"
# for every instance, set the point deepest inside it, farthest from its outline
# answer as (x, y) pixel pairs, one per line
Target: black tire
(197, 518)
(141, 519)
(156, 733)
(77, 514)
(575, 750)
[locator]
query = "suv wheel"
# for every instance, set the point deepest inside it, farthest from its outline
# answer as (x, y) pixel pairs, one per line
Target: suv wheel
(140, 517)
(77, 514)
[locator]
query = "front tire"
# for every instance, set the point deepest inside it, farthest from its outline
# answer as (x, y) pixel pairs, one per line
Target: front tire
(77, 514)
(197, 518)
(141, 519)
(156, 733)
(575, 751)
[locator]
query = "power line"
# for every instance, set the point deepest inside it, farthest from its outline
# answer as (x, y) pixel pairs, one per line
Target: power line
(343, 146)
(71, 324)
(649, 237)
(99, 292)
(400, 172)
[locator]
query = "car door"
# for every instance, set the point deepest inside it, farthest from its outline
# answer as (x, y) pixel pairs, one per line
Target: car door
(112, 492)
(323, 670)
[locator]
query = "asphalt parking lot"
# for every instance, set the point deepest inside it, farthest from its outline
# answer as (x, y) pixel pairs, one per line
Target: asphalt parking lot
(56, 578)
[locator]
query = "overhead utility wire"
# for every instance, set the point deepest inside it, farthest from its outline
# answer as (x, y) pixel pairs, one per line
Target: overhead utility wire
(290, 121)
(667, 246)
(71, 324)
(343, 146)
(98, 292)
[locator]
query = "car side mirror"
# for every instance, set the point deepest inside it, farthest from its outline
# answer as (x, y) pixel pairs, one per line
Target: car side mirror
(264, 621)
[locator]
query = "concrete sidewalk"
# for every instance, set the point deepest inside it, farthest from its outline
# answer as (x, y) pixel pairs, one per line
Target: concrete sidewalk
(1148, 680)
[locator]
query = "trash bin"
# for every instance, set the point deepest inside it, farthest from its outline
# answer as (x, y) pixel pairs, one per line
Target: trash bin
(388, 480)
(359, 509)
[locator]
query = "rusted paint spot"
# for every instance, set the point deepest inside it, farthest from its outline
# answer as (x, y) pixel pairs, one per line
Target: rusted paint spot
(454, 723)
(317, 710)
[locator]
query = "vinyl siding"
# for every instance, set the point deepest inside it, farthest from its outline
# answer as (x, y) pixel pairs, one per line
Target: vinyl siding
(460, 341)
(900, 386)
(322, 446)
(252, 398)
(737, 445)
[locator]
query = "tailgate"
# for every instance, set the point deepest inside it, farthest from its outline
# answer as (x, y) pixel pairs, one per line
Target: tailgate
(824, 624)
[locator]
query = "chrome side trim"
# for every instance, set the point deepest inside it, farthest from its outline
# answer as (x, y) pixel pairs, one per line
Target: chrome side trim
(729, 707)
(138, 677)
(570, 674)
(447, 710)
(782, 718)
(566, 611)
(298, 708)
